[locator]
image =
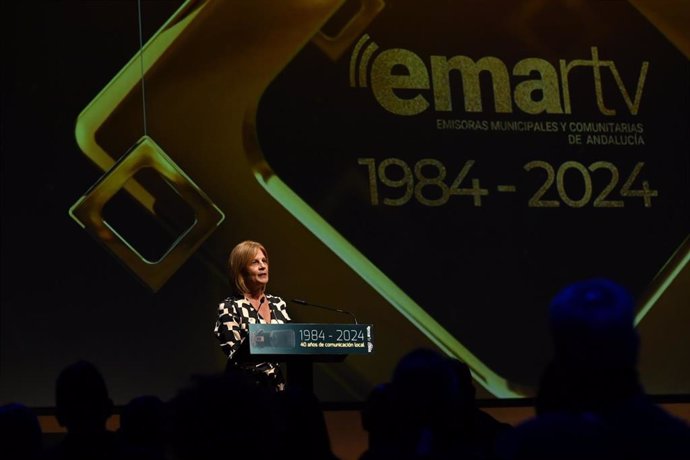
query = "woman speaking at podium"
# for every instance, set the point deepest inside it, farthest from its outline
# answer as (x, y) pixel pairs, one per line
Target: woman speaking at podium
(250, 304)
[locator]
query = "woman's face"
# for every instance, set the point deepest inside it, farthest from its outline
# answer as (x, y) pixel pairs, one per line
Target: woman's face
(257, 271)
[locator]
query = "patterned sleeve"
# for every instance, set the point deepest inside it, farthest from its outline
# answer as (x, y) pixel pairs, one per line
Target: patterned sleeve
(228, 329)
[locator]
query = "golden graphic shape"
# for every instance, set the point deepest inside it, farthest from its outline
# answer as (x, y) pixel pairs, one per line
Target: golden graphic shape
(128, 80)
(88, 212)
(224, 55)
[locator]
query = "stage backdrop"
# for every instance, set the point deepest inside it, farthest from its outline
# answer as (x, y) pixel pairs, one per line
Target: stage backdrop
(438, 169)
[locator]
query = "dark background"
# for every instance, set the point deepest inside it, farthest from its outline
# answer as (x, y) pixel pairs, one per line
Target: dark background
(63, 296)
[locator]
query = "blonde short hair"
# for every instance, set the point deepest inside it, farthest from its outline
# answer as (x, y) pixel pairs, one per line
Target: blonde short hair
(240, 256)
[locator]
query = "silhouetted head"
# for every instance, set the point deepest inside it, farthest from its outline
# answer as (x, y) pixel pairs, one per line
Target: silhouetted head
(592, 324)
(82, 403)
(426, 384)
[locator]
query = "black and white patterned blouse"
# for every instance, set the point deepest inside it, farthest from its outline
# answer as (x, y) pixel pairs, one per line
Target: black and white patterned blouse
(235, 314)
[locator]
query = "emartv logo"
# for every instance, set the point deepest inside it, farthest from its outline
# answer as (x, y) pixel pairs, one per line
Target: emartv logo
(429, 85)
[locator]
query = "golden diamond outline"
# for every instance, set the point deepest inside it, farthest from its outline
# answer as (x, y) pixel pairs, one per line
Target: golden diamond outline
(88, 212)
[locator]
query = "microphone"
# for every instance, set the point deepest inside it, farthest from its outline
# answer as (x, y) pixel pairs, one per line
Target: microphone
(338, 310)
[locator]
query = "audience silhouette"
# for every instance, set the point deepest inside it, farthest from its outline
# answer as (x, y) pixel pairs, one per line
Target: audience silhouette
(303, 425)
(590, 405)
(83, 406)
(224, 416)
(375, 418)
(428, 410)
(590, 402)
(475, 431)
(143, 422)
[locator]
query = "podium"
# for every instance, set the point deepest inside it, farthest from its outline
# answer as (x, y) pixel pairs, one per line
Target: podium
(300, 345)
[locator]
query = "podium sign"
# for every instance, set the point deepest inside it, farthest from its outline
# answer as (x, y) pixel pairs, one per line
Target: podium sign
(310, 339)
